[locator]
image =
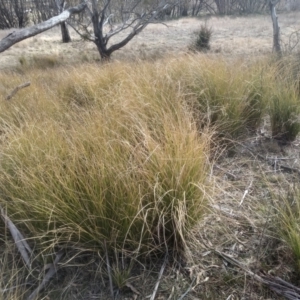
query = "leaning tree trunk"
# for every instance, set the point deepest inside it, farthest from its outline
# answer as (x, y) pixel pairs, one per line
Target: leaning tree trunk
(276, 28)
(25, 33)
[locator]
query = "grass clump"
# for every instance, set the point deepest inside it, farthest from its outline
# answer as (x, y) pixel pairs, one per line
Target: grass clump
(284, 115)
(228, 97)
(127, 169)
(284, 103)
(46, 61)
(287, 206)
(42, 62)
(116, 158)
(202, 37)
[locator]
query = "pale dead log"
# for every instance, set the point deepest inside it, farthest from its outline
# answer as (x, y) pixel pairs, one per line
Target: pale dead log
(16, 89)
(18, 238)
(20, 35)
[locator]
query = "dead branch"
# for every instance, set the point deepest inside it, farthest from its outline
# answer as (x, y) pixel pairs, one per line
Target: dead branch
(16, 89)
(51, 272)
(19, 240)
(276, 284)
(25, 33)
(159, 278)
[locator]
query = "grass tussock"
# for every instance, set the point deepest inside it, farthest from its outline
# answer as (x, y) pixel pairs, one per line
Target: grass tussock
(287, 205)
(40, 62)
(202, 38)
(228, 96)
(284, 101)
(124, 163)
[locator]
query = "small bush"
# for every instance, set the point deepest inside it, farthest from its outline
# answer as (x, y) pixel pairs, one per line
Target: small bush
(202, 38)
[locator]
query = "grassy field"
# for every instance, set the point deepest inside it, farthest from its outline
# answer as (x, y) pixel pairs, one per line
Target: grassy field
(160, 168)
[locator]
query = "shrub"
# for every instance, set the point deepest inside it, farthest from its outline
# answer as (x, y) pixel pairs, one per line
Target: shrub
(202, 37)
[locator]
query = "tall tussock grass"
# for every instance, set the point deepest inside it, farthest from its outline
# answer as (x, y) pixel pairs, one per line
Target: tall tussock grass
(123, 167)
(287, 219)
(284, 98)
(226, 95)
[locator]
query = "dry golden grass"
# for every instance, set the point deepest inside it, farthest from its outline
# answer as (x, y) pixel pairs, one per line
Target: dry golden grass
(135, 144)
(103, 160)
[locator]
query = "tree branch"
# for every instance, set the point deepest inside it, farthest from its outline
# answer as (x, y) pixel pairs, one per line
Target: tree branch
(25, 33)
(137, 28)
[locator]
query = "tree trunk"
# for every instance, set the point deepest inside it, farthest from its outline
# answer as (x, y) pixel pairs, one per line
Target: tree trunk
(221, 6)
(20, 35)
(65, 34)
(276, 28)
(104, 53)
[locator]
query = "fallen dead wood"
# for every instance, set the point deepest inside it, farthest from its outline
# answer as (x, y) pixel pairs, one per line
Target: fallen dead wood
(16, 89)
(162, 269)
(51, 272)
(276, 284)
(275, 162)
(18, 238)
(26, 253)
(19, 35)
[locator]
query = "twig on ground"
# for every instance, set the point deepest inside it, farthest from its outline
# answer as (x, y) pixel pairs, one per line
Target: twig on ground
(172, 293)
(52, 271)
(16, 89)
(273, 161)
(276, 284)
(245, 193)
(109, 273)
(187, 291)
(159, 277)
(229, 175)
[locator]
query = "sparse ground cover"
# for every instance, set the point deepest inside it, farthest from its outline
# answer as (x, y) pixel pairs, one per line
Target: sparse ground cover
(114, 166)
